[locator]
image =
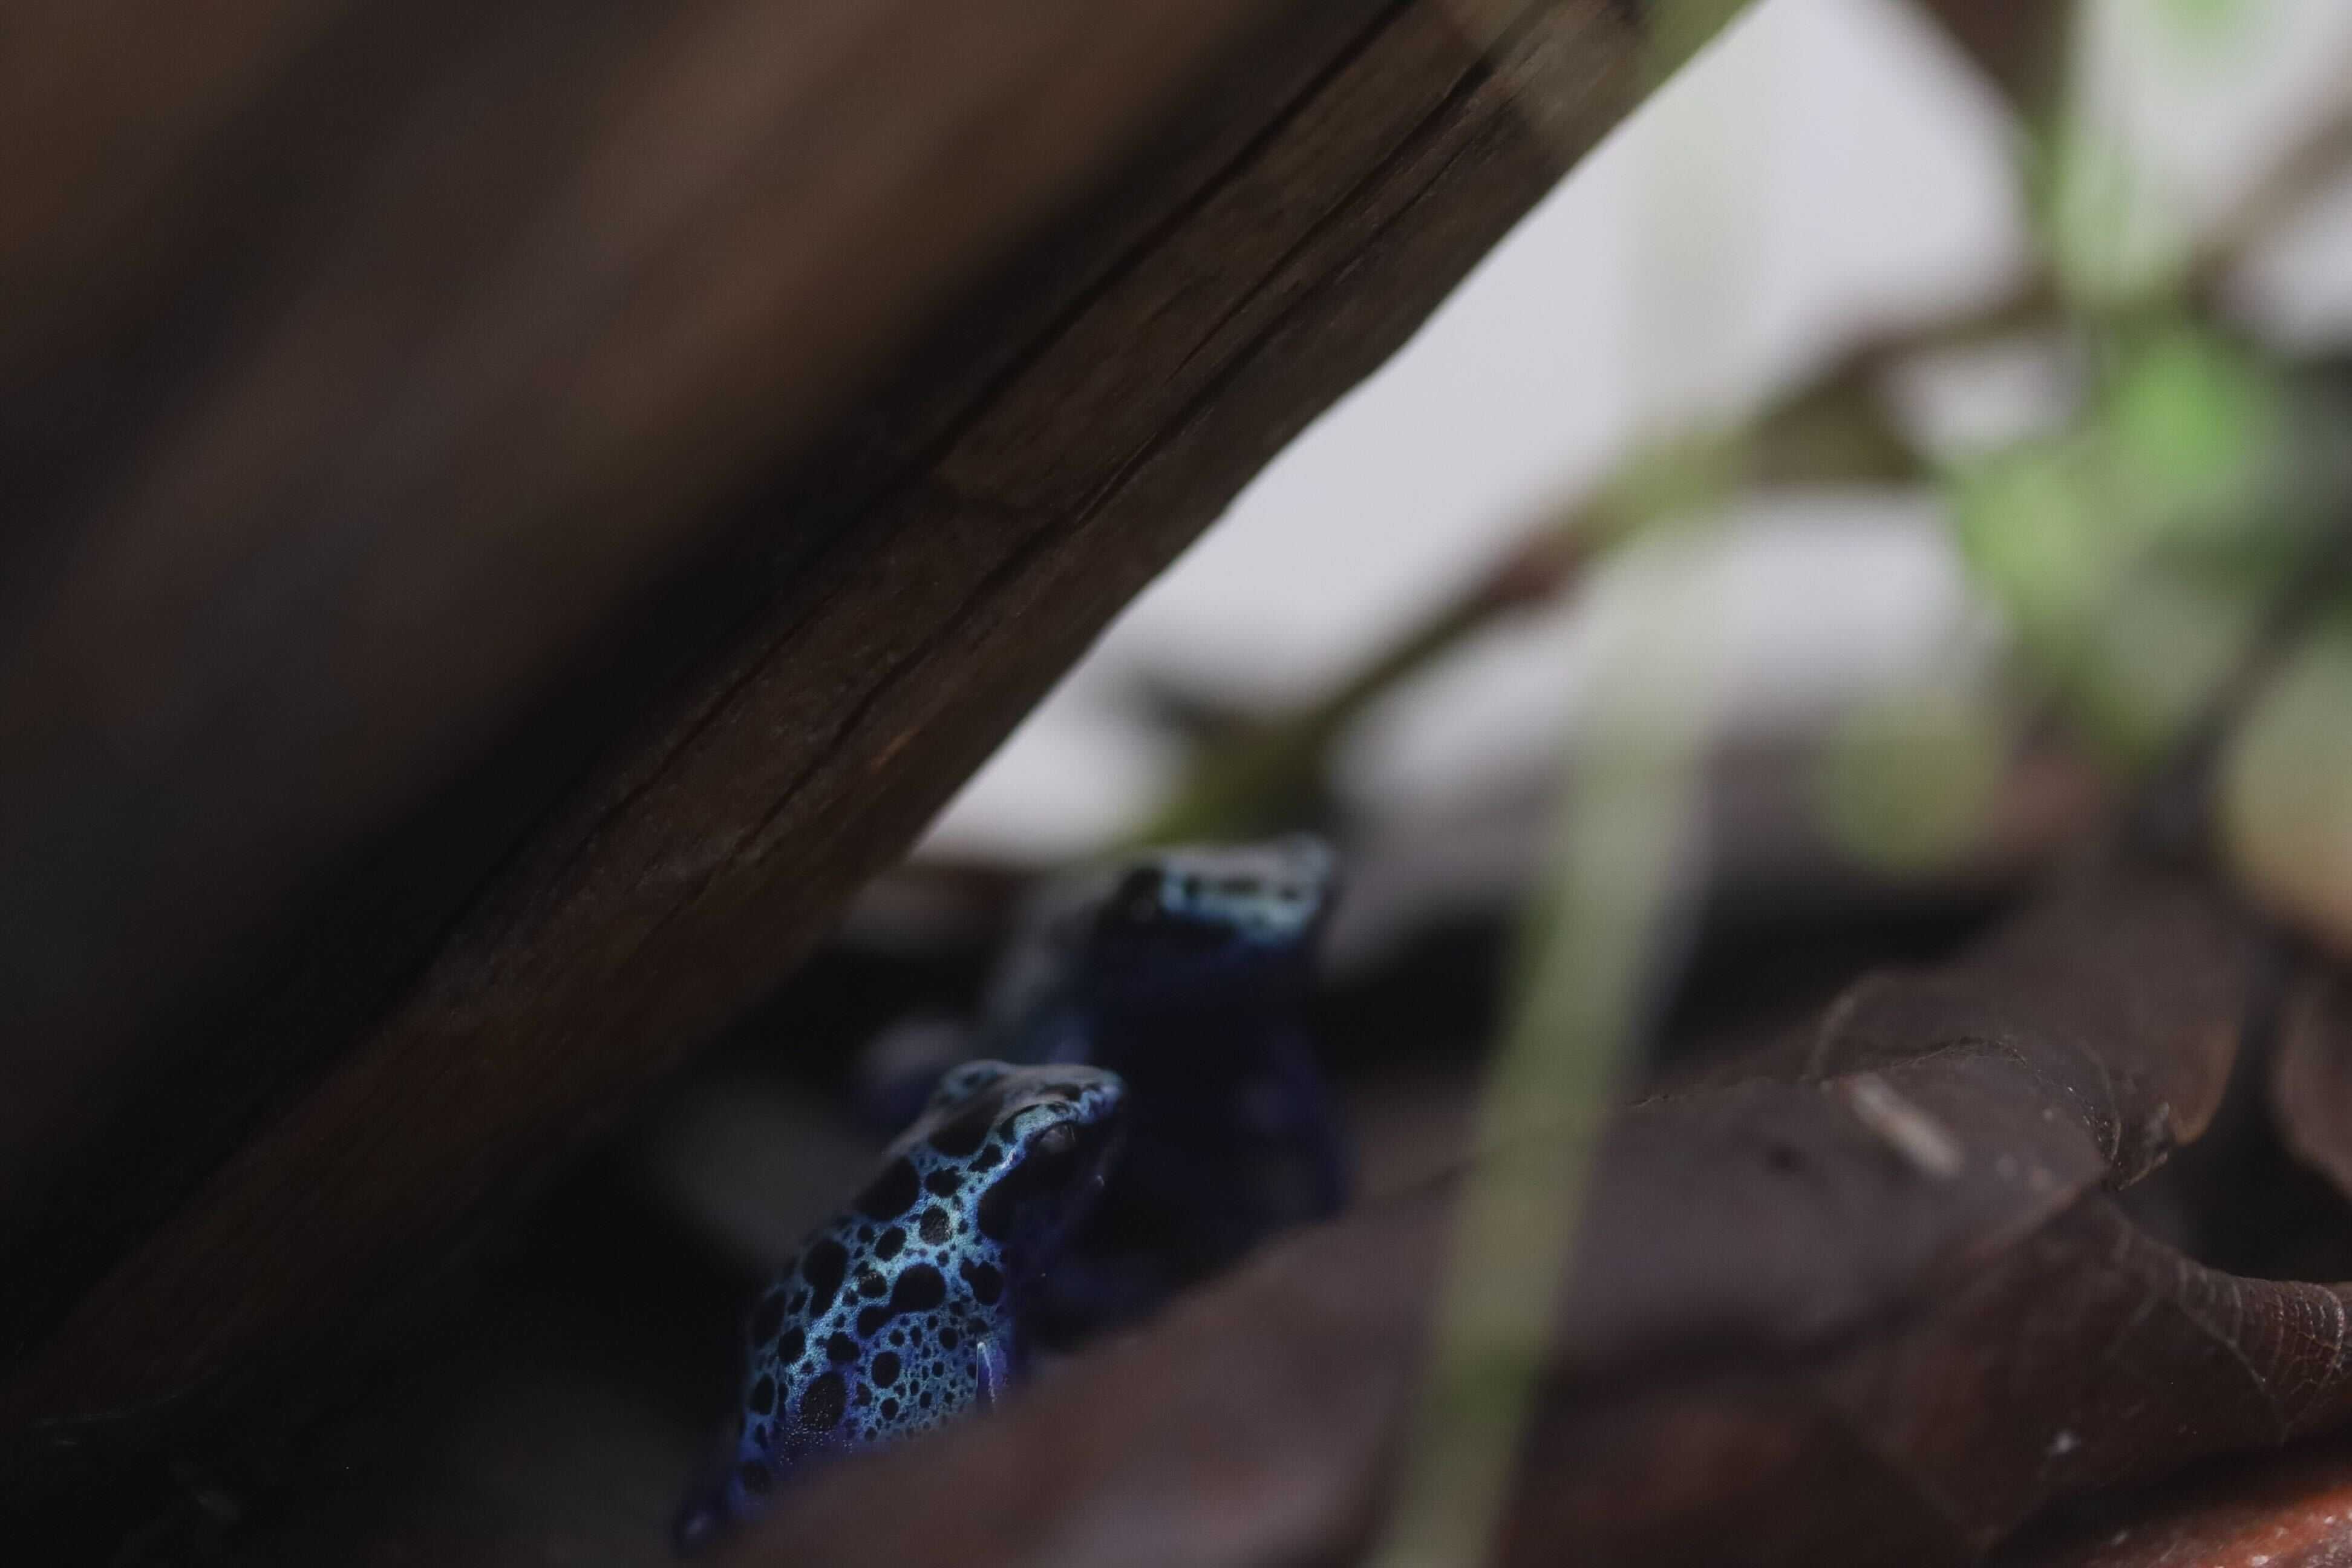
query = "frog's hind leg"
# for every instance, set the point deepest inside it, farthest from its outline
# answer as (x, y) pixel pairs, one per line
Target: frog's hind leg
(1089, 1292)
(697, 1526)
(709, 1511)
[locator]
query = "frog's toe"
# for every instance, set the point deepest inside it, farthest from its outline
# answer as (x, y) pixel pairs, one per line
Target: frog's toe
(698, 1523)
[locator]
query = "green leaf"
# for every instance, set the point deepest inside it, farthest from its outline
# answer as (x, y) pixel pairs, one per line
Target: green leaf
(2196, 428)
(2030, 529)
(2154, 655)
(2286, 789)
(2204, 22)
(1907, 781)
(2115, 243)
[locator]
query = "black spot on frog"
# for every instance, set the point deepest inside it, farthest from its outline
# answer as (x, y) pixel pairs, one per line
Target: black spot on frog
(813, 1378)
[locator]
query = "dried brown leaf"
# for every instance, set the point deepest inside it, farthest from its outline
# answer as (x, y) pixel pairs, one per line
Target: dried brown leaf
(2311, 1076)
(1882, 1312)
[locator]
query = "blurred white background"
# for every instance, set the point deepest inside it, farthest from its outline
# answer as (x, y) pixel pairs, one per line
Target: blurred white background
(1827, 169)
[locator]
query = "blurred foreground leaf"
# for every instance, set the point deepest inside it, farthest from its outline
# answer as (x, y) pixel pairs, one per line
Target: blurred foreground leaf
(1590, 950)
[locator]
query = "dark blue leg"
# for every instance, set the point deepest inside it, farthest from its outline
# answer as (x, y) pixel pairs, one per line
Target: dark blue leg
(1087, 1293)
(1313, 1120)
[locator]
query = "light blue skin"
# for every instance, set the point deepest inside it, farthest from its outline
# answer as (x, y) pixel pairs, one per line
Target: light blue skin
(1186, 971)
(1227, 927)
(910, 1307)
(1215, 928)
(1265, 896)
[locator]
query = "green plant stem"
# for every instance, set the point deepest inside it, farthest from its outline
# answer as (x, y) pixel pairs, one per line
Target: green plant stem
(1587, 965)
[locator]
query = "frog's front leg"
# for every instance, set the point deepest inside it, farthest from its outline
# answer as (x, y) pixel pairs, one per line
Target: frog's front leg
(994, 1369)
(1090, 1292)
(1312, 1121)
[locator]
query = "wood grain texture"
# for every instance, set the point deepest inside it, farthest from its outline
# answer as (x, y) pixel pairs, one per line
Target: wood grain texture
(849, 635)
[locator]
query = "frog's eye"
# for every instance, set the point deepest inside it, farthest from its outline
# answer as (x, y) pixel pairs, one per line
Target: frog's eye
(1057, 1139)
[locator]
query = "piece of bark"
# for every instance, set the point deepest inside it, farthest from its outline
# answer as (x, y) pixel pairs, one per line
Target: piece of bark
(2311, 1076)
(970, 548)
(1883, 1315)
(2088, 1356)
(2283, 1511)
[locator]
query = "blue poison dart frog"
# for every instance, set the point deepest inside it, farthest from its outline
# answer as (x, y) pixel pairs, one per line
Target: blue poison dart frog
(913, 1304)
(1186, 971)
(1190, 977)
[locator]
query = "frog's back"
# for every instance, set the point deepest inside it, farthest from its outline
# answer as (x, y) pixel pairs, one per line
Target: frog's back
(902, 1311)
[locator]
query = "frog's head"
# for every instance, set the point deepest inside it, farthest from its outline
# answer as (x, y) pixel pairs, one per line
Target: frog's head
(1033, 1147)
(1216, 925)
(901, 1312)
